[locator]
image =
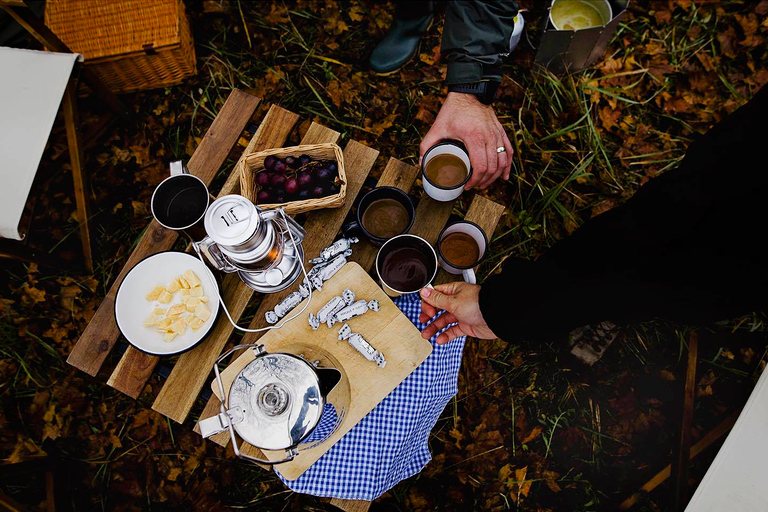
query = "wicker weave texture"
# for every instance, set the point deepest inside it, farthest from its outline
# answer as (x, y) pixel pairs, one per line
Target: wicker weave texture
(254, 164)
(130, 44)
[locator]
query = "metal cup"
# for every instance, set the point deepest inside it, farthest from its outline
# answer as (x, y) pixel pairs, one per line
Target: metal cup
(477, 234)
(434, 190)
(369, 198)
(405, 264)
(179, 202)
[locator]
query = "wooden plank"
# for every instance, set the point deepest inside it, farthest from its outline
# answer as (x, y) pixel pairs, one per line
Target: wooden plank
(351, 505)
(486, 214)
(135, 367)
(680, 466)
(431, 217)
(79, 176)
(396, 174)
(322, 227)
(101, 333)
(192, 369)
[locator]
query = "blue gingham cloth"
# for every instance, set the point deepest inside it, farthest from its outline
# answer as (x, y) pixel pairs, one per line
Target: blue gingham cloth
(390, 443)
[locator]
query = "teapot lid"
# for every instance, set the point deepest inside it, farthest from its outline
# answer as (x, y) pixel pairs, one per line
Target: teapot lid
(231, 220)
(280, 398)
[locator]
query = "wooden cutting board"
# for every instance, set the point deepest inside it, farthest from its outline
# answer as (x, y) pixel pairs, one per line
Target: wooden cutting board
(388, 330)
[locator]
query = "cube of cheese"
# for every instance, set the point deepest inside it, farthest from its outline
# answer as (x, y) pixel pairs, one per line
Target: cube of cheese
(151, 320)
(204, 298)
(174, 286)
(196, 292)
(184, 293)
(165, 297)
(169, 336)
(192, 279)
(176, 310)
(202, 312)
(195, 323)
(155, 293)
(193, 301)
(184, 283)
(179, 327)
(158, 311)
(164, 323)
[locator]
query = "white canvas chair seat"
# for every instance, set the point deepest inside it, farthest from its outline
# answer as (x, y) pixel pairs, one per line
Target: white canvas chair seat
(32, 85)
(738, 477)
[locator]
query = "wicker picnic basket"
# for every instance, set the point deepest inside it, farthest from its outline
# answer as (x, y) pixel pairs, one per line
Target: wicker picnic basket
(254, 164)
(130, 44)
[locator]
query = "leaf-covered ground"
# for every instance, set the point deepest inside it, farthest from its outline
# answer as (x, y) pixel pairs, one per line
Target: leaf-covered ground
(530, 429)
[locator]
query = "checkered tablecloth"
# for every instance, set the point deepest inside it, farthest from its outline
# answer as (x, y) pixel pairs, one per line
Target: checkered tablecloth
(391, 442)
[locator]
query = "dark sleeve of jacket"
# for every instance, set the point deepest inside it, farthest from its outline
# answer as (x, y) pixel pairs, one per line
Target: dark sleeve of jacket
(475, 35)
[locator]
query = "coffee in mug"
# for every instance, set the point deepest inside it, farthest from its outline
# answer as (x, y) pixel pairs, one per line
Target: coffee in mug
(405, 264)
(460, 247)
(382, 213)
(385, 218)
(445, 169)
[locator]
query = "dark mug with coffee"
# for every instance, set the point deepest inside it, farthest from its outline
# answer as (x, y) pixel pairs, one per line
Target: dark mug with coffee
(180, 201)
(383, 213)
(405, 264)
(460, 247)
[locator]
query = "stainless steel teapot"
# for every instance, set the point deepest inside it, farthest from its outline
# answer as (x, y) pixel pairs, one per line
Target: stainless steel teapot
(280, 401)
(262, 246)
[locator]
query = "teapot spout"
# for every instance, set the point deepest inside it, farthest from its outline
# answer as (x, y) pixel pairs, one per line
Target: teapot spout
(329, 378)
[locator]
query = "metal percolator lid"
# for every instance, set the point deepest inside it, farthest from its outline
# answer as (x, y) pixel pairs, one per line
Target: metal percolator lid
(231, 220)
(280, 399)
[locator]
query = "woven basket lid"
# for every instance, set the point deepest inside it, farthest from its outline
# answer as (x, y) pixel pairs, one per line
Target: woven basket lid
(98, 28)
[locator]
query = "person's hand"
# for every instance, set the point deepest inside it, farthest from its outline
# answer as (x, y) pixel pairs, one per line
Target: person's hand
(463, 117)
(461, 302)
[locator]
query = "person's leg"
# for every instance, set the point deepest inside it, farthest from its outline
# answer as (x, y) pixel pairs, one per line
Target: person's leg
(412, 20)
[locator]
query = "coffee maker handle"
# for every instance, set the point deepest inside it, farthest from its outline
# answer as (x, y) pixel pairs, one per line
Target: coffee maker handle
(213, 254)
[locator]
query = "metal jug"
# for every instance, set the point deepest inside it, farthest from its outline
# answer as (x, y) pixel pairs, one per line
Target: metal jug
(280, 401)
(262, 246)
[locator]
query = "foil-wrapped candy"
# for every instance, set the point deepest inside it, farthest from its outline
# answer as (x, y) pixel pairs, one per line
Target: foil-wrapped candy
(360, 344)
(314, 323)
(356, 309)
(342, 245)
(271, 317)
(304, 290)
(326, 271)
(332, 307)
(288, 303)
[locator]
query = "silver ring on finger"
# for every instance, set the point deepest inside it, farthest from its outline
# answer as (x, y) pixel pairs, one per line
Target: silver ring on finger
(501, 149)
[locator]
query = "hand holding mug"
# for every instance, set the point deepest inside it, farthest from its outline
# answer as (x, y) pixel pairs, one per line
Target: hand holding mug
(461, 302)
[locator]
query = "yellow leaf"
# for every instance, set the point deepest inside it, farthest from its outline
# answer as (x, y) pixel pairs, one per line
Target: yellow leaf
(505, 472)
(34, 294)
(533, 435)
(173, 474)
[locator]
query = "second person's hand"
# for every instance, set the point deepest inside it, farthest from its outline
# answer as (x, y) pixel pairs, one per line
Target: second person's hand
(461, 302)
(465, 118)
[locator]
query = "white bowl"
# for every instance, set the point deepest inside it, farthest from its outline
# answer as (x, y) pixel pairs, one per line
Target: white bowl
(132, 308)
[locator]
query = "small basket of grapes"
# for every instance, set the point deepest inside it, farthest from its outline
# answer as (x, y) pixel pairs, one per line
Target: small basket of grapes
(298, 178)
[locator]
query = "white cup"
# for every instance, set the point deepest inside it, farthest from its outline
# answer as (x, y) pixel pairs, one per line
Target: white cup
(446, 147)
(427, 257)
(477, 233)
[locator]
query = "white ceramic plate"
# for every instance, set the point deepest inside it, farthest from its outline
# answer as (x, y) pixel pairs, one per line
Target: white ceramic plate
(132, 308)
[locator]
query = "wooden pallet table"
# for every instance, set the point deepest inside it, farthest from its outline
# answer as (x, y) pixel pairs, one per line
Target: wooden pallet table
(192, 369)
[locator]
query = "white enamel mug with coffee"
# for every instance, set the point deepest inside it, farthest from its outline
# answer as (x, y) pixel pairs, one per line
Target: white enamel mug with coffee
(460, 247)
(445, 169)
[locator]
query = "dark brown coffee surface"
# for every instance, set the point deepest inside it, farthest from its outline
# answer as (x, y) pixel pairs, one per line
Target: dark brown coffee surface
(446, 170)
(385, 218)
(460, 249)
(405, 269)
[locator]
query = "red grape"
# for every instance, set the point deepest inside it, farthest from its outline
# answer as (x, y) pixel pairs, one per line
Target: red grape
(318, 192)
(304, 179)
(280, 197)
(291, 186)
(331, 166)
(291, 162)
(277, 180)
(304, 159)
(303, 194)
(280, 166)
(333, 189)
(262, 179)
(269, 162)
(263, 197)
